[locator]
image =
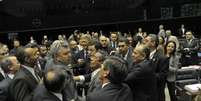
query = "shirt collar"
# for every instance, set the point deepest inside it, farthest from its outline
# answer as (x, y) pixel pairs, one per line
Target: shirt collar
(2, 72)
(31, 70)
(152, 54)
(11, 76)
(58, 95)
(125, 57)
(105, 84)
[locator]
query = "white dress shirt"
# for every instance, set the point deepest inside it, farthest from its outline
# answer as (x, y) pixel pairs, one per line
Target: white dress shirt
(11, 76)
(2, 72)
(152, 54)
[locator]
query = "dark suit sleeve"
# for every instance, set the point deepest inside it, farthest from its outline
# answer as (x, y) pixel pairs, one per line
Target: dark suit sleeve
(162, 68)
(87, 77)
(2, 94)
(21, 91)
(137, 73)
(195, 45)
(88, 98)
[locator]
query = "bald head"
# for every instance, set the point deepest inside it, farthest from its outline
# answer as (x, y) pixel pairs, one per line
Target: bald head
(140, 53)
(103, 41)
(55, 79)
(10, 64)
(31, 56)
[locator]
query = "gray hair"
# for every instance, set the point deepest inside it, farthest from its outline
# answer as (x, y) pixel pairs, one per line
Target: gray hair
(5, 63)
(154, 38)
(56, 46)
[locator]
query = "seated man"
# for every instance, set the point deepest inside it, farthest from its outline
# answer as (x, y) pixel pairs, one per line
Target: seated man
(112, 74)
(52, 88)
(189, 49)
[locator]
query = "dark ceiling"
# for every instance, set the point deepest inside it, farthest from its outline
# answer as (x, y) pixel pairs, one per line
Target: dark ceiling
(16, 15)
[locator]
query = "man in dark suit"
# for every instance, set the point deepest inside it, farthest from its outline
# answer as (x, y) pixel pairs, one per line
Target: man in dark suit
(1, 76)
(16, 45)
(113, 40)
(53, 85)
(189, 48)
(142, 74)
(41, 62)
(93, 78)
(25, 80)
(10, 66)
(104, 44)
(112, 74)
(182, 31)
(124, 51)
(160, 64)
(82, 58)
(62, 57)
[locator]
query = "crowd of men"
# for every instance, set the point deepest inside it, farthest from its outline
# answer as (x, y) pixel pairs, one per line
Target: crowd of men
(94, 67)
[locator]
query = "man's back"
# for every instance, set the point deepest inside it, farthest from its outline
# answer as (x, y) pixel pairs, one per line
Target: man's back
(22, 86)
(42, 94)
(112, 92)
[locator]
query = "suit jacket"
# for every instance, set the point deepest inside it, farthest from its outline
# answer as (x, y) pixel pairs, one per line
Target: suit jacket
(188, 56)
(160, 64)
(94, 83)
(40, 67)
(138, 77)
(1, 77)
(173, 67)
(180, 32)
(128, 59)
(42, 94)
(193, 45)
(4, 86)
(161, 67)
(81, 69)
(23, 85)
(70, 89)
(112, 92)
(113, 45)
(106, 50)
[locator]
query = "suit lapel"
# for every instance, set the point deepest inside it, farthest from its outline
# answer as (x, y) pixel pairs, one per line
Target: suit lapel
(1, 77)
(54, 97)
(30, 78)
(94, 78)
(93, 84)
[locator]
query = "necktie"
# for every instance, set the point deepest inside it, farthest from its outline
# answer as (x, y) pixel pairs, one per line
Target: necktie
(85, 54)
(37, 73)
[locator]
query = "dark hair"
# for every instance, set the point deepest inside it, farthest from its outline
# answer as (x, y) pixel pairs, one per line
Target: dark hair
(102, 55)
(123, 39)
(190, 31)
(20, 54)
(174, 51)
(118, 69)
(154, 38)
(95, 43)
(57, 82)
(5, 63)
